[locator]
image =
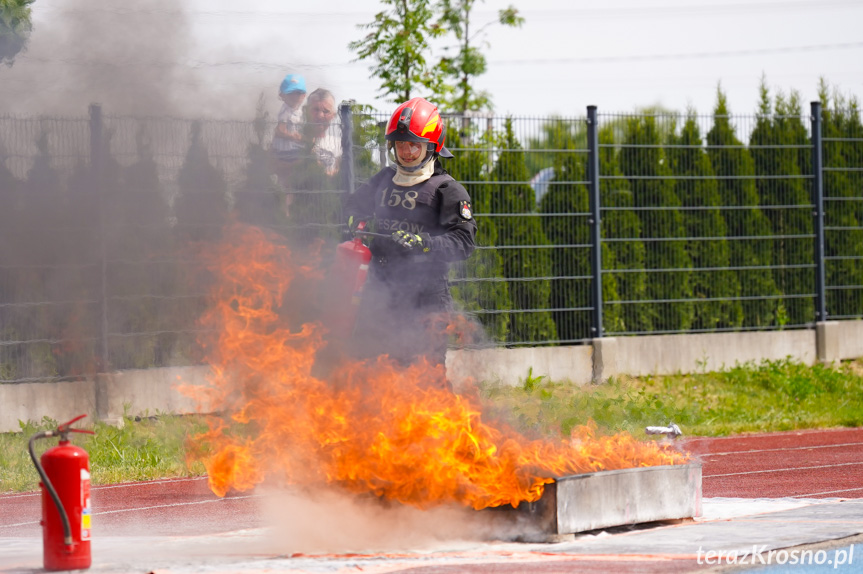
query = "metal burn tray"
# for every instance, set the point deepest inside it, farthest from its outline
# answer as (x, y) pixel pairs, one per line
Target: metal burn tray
(610, 498)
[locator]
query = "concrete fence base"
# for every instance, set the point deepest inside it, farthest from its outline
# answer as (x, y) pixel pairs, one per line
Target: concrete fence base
(110, 396)
(107, 397)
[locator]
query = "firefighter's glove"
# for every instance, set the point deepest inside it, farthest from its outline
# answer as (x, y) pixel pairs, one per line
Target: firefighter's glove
(412, 241)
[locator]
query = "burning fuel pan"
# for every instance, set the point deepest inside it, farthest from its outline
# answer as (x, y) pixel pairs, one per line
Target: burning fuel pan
(611, 498)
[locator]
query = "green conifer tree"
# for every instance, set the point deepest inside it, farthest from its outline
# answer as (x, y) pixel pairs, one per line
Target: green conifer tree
(143, 272)
(87, 221)
(258, 201)
(734, 169)
(201, 208)
(620, 225)
(526, 259)
(844, 242)
(716, 290)
(477, 283)
(11, 197)
(649, 175)
(568, 200)
(40, 232)
(792, 226)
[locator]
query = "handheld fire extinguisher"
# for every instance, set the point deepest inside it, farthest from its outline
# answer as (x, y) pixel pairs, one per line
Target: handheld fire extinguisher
(65, 474)
(350, 272)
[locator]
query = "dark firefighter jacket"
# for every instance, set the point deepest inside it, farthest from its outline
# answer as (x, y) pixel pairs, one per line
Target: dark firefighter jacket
(438, 209)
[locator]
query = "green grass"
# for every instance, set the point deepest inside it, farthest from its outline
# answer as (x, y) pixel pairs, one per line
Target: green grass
(144, 449)
(771, 396)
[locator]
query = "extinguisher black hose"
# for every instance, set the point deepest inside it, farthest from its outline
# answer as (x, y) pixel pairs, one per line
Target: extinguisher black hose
(64, 518)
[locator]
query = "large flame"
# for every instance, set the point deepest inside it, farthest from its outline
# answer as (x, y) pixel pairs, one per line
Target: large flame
(370, 427)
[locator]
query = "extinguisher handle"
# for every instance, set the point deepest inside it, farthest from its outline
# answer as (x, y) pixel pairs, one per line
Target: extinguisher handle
(370, 234)
(66, 427)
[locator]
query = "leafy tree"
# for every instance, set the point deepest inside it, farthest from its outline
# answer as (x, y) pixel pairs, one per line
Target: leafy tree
(398, 43)
(716, 291)
(643, 161)
(734, 169)
(469, 62)
(367, 141)
(526, 259)
(843, 208)
(791, 226)
(625, 261)
(477, 282)
(15, 28)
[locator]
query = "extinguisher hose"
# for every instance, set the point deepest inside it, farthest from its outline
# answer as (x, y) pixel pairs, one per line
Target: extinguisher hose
(64, 518)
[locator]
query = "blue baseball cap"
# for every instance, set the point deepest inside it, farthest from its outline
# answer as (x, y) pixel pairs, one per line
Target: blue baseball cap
(293, 83)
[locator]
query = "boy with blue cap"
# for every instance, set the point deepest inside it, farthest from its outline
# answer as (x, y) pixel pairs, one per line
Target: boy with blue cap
(288, 138)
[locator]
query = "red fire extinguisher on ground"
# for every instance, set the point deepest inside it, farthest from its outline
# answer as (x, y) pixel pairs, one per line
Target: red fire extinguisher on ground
(65, 473)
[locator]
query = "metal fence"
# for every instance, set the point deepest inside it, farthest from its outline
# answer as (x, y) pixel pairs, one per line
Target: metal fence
(604, 224)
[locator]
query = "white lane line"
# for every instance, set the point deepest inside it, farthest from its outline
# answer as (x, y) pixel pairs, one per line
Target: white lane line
(176, 504)
(148, 508)
(782, 469)
(19, 524)
(148, 482)
(783, 449)
(826, 492)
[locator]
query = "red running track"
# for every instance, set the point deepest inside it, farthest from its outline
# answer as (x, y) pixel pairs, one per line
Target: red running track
(800, 464)
(804, 464)
(156, 508)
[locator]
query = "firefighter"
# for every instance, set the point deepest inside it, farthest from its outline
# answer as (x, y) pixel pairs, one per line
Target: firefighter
(427, 219)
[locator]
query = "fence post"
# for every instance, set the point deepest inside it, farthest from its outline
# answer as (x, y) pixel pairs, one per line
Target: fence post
(101, 378)
(382, 143)
(826, 332)
(595, 221)
(347, 121)
(818, 214)
(96, 167)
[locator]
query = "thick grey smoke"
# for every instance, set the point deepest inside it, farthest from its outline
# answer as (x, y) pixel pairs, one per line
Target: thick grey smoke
(142, 57)
(79, 226)
(333, 521)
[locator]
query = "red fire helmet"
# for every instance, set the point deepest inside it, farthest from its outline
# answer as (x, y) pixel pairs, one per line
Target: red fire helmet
(418, 120)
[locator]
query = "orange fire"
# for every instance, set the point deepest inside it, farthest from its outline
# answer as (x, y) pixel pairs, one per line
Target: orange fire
(370, 427)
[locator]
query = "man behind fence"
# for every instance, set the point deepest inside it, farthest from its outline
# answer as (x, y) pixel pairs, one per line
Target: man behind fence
(324, 141)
